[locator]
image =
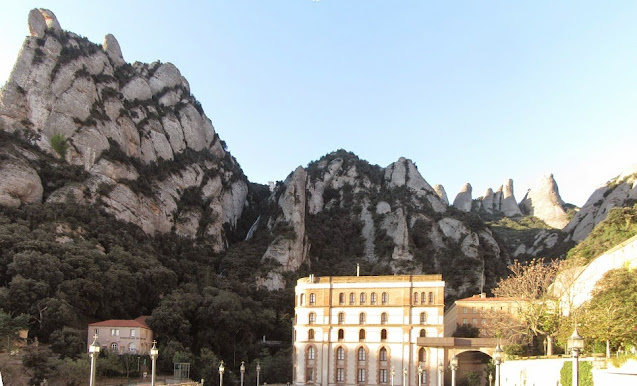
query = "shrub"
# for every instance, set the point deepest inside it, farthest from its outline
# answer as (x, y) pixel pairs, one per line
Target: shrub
(585, 374)
(60, 144)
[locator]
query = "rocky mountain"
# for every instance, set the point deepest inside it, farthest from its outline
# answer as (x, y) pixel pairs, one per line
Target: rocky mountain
(139, 142)
(544, 202)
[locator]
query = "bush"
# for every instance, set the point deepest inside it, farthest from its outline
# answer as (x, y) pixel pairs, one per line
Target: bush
(60, 144)
(585, 374)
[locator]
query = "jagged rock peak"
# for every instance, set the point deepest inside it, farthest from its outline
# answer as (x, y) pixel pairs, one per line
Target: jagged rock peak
(509, 206)
(440, 191)
(40, 20)
(544, 202)
(463, 198)
(487, 201)
(113, 50)
(405, 173)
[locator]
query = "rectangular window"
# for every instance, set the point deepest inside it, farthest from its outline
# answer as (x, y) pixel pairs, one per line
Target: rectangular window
(464, 310)
(464, 321)
(114, 331)
(309, 374)
(382, 376)
(361, 375)
(132, 333)
(473, 310)
(484, 321)
(474, 321)
(340, 375)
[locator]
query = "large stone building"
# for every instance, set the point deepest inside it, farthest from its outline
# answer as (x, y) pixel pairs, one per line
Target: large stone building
(354, 330)
(479, 311)
(122, 336)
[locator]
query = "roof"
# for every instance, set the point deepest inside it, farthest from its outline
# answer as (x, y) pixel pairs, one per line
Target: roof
(478, 298)
(138, 322)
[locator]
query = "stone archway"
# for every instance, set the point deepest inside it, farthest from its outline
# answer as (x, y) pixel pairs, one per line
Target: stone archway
(472, 368)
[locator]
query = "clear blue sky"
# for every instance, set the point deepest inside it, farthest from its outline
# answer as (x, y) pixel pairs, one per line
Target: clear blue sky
(472, 91)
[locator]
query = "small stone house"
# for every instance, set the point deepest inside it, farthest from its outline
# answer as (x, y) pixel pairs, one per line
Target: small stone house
(122, 336)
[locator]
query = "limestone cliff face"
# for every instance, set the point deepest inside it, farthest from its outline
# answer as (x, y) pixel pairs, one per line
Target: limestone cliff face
(120, 122)
(544, 202)
(401, 224)
(618, 192)
(501, 202)
(463, 198)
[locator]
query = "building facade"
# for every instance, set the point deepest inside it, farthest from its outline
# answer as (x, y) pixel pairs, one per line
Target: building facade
(478, 311)
(122, 336)
(363, 330)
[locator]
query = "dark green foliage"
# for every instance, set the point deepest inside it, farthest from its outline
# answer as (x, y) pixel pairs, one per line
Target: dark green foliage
(619, 225)
(585, 373)
(466, 331)
(68, 342)
(37, 361)
(60, 144)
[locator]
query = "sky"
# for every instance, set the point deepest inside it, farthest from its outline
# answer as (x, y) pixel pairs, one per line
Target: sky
(471, 91)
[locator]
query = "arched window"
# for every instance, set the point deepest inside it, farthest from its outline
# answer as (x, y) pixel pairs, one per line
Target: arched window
(382, 354)
(312, 318)
(372, 299)
(415, 297)
(423, 318)
(383, 334)
(431, 298)
(422, 355)
(312, 299)
(383, 318)
(114, 346)
(311, 353)
(341, 318)
(361, 318)
(341, 298)
(302, 299)
(352, 299)
(341, 334)
(361, 335)
(340, 354)
(383, 298)
(310, 334)
(362, 355)
(423, 298)
(423, 333)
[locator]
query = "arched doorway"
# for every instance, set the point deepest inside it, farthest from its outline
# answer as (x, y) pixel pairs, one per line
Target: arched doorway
(472, 369)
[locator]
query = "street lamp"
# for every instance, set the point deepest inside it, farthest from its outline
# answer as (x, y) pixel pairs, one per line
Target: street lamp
(441, 369)
(93, 352)
(575, 343)
(420, 370)
(154, 352)
(392, 375)
(453, 365)
(490, 379)
(243, 371)
(258, 371)
(222, 369)
(498, 355)
(404, 376)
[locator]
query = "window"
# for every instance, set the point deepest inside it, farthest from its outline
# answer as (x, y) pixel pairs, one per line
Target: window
(340, 354)
(383, 298)
(363, 298)
(464, 310)
(415, 297)
(362, 355)
(114, 331)
(473, 310)
(464, 321)
(383, 318)
(341, 298)
(311, 353)
(382, 355)
(423, 298)
(97, 331)
(312, 299)
(382, 375)
(361, 376)
(431, 298)
(352, 299)
(361, 318)
(361, 335)
(422, 355)
(131, 347)
(484, 321)
(341, 318)
(340, 375)
(341, 334)
(309, 374)
(373, 299)
(312, 318)
(132, 332)
(423, 318)
(383, 334)
(310, 335)
(302, 299)
(423, 333)
(114, 346)
(474, 321)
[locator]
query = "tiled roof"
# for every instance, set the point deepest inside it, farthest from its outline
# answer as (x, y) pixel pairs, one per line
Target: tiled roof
(139, 322)
(478, 298)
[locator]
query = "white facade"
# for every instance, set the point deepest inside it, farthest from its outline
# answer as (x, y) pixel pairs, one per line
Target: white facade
(354, 330)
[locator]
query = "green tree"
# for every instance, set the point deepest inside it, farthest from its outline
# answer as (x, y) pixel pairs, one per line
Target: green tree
(466, 331)
(68, 342)
(611, 315)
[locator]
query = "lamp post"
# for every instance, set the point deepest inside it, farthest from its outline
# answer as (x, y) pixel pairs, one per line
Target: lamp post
(258, 371)
(404, 376)
(392, 375)
(498, 355)
(453, 365)
(222, 369)
(154, 352)
(420, 375)
(93, 352)
(243, 371)
(441, 369)
(490, 379)
(575, 343)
